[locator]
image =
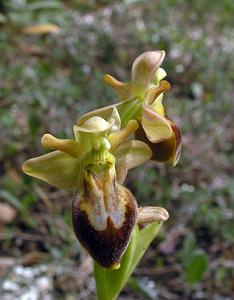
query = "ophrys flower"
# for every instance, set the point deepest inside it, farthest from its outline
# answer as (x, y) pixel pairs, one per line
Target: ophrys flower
(141, 100)
(95, 164)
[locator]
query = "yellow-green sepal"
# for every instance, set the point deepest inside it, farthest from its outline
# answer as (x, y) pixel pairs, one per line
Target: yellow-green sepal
(56, 168)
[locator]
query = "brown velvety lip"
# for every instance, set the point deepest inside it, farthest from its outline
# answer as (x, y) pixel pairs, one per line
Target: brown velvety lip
(106, 246)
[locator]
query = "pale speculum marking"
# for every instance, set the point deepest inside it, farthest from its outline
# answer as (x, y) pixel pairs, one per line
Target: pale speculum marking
(104, 197)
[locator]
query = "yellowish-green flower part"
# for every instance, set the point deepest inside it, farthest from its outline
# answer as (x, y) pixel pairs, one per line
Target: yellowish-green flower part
(95, 164)
(107, 143)
(145, 92)
(94, 140)
(143, 71)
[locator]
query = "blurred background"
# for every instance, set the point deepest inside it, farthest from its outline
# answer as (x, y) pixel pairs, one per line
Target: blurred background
(51, 75)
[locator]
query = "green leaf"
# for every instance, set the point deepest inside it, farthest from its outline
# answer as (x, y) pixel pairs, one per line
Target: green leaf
(110, 283)
(11, 199)
(189, 246)
(197, 267)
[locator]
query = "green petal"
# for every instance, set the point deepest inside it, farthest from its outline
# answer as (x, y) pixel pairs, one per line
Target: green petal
(130, 155)
(122, 88)
(71, 147)
(143, 71)
(116, 138)
(56, 168)
(156, 127)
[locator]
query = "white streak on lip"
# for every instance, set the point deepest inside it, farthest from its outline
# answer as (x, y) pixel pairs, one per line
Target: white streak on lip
(105, 197)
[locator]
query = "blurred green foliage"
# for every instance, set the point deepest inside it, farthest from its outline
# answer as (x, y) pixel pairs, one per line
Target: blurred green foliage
(193, 260)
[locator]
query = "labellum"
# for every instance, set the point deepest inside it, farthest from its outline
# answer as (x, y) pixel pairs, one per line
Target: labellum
(104, 215)
(168, 150)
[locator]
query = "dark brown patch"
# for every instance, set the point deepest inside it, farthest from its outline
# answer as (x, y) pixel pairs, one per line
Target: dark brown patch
(107, 246)
(164, 151)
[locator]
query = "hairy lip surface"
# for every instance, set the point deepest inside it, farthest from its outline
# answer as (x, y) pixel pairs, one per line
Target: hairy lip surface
(105, 246)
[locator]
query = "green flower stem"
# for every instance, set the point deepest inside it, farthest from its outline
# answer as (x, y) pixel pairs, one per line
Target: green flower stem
(110, 283)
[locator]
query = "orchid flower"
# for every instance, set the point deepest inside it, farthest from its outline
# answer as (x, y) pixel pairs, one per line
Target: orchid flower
(141, 100)
(95, 164)
(94, 141)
